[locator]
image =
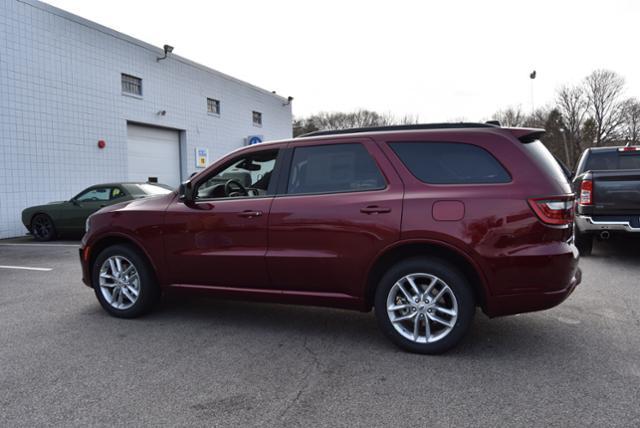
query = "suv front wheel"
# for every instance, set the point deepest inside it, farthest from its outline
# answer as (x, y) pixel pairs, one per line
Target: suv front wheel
(123, 282)
(424, 305)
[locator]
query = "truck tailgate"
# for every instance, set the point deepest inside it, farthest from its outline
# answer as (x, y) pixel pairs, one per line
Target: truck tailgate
(617, 191)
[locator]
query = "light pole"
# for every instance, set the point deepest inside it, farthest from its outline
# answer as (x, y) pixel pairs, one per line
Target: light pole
(532, 76)
(566, 147)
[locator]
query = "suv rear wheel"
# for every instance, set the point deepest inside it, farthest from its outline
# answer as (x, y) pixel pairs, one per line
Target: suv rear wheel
(123, 282)
(424, 305)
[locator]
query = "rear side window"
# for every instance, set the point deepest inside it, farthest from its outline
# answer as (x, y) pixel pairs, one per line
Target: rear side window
(333, 168)
(612, 160)
(543, 158)
(450, 163)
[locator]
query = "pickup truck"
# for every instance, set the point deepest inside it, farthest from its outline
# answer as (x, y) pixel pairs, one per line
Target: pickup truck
(607, 186)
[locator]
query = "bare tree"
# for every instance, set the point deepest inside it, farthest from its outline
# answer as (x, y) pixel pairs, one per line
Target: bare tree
(538, 118)
(604, 90)
(632, 121)
(358, 119)
(511, 116)
(303, 126)
(572, 104)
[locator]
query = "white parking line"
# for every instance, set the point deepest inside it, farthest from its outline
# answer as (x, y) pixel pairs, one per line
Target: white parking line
(26, 268)
(38, 245)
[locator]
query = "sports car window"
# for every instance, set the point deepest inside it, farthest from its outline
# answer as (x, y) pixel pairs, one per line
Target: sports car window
(94, 195)
(245, 176)
(116, 193)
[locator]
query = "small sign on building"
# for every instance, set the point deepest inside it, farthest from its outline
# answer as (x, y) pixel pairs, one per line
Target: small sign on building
(253, 139)
(202, 157)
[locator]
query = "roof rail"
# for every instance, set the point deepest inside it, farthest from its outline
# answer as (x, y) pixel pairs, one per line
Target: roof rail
(459, 125)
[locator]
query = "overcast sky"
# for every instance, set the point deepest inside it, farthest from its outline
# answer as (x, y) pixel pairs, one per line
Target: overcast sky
(441, 60)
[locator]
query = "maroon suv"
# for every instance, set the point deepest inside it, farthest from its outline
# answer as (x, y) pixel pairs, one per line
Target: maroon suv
(423, 223)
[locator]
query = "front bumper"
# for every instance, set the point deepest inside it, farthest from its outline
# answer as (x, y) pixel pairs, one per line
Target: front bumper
(587, 223)
(84, 263)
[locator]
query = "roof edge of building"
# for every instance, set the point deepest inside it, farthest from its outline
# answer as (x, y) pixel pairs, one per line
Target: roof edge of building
(126, 38)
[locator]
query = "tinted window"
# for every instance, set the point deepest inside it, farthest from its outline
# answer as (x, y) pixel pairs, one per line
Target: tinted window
(333, 168)
(612, 160)
(543, 158)
(450, 163)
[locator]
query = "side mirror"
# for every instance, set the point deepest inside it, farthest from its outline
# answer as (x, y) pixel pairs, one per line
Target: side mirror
(75, 202)
(185, 192)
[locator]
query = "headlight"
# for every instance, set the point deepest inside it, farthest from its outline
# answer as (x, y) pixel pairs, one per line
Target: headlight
(87, 224)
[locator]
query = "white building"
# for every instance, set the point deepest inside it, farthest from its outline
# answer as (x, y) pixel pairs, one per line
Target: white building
(69, 86)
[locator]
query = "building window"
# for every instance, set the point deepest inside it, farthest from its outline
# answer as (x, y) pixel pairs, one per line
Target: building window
(131, 85)
(257, 118)
(213, 106)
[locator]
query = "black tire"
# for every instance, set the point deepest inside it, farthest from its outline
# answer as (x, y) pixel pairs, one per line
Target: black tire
(148, 290)
(584, 242)
(42, 227)
(449, 276)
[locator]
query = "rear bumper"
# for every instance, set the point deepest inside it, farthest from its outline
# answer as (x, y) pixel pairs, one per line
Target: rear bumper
(528, 302)
(587, 223)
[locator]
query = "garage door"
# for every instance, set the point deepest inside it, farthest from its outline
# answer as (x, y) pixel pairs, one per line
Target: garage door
(153, 152)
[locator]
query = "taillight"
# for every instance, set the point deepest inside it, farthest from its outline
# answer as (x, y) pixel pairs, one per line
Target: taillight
(554, 211)
(586, 192)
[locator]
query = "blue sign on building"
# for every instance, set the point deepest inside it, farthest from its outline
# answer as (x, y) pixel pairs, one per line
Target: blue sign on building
(254, 139)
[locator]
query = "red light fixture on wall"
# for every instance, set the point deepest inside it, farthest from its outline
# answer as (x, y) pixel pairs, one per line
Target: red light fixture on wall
(102, 144)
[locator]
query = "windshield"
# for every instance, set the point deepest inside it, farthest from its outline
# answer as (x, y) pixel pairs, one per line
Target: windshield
(609, 160)
(149, 189)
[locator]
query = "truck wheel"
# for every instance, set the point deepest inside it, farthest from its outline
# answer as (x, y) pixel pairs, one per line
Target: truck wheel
(584, 242)
(424, 305)
(124, 282)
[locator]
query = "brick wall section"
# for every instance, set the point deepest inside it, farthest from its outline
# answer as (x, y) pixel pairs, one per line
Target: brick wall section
(60, 92)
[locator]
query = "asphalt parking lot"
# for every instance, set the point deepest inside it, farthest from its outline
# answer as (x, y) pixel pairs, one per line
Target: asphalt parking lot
(202, 362)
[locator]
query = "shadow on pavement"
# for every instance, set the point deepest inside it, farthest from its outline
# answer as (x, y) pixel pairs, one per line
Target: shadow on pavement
(624, 248)
(514, 336)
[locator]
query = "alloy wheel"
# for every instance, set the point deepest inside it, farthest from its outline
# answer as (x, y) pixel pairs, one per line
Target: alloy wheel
(422, 307)
(119, 282)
